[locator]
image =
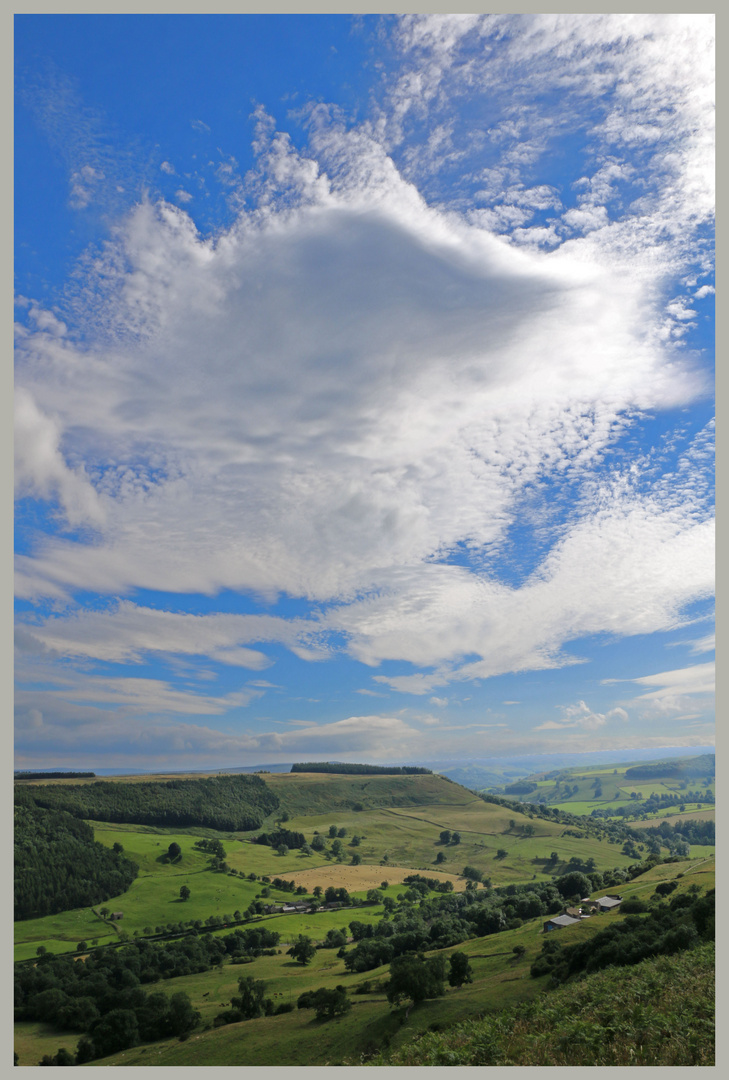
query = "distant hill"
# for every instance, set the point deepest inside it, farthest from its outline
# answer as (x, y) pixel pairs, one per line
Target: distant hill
(694, 768)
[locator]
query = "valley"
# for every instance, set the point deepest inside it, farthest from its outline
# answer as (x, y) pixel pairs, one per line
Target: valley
(410, 855)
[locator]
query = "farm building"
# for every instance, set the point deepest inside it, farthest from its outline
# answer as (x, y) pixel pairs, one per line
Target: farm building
(557, 922)
(608, 903)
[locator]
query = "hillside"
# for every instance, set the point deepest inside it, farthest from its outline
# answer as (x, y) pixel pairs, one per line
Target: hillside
(411, 862)
(636, 790)
(311, 794)
(660, 1012)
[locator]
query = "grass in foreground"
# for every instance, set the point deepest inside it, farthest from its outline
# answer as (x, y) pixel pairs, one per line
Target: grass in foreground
(660, 1012)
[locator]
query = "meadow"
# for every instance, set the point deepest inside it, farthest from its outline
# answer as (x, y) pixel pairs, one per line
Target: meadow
(398, 821)
(501, 979)
(395, 842)
(580, 791)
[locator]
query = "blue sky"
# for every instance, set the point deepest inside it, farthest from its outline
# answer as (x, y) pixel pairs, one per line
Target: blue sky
(364, 387)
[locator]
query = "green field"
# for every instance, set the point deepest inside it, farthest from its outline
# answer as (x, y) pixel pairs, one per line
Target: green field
(399, 821)
(500, 980)
(407, 836)
(574, 790)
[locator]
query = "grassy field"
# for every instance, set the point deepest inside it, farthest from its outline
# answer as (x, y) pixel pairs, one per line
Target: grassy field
(399, 821)
(656, 1013)
(407, 837)
(574, 790)
(500, 980)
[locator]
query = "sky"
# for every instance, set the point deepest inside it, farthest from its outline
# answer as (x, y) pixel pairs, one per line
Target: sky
(363, 387)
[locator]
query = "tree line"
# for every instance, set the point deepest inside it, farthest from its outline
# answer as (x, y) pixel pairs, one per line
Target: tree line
(103, 997)
(224, 803)
(59, 865)
(26, 775)
(359, 770)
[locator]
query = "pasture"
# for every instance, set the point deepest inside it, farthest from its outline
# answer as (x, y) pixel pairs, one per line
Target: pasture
(395, 841)
(500, 979)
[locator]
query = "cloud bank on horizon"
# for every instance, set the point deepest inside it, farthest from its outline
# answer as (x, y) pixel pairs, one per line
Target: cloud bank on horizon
(409, 398)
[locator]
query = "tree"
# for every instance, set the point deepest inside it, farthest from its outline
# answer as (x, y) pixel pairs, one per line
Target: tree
(456, 838)
(355, 841)
(62, 1058)
(117, 848)
(250, 1001)
(445, 836)
(337, 848)
(331, 1003)
(471, 873)
(282, 849)
(501, 853)
(332, 831)
(519, 951)
(317, 891)
(356, 859)
(461, 971)
(174, 851)
(335, 939)
(414, 977)
(184, 892)
(574, 884)
(118, 1030)
(318, 843)
(341, 832)
(302, 950)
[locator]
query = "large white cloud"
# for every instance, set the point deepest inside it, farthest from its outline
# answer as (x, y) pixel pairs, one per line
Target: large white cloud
(353, 396)
(331, 392)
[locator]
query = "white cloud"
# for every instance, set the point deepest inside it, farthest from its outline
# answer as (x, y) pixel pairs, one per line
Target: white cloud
(698, 679)
(183, 196)
(580, 715)
(347, 386)
(167, 167)
(126, 633)
(703, 644)
(508, 367)
(40, 468)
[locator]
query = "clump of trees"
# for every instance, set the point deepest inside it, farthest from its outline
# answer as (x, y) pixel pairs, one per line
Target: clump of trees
(226, 803)
(59, 865)
(288, 837)
(686, 921)
(415, 978)
(326, 1002)
(359, 770)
